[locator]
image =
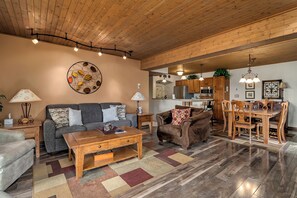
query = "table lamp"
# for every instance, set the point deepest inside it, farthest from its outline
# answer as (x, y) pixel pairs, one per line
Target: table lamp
(25, 96)
(283, 86)
(138, 97)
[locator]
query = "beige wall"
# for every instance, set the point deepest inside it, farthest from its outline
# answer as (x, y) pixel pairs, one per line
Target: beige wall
(43, 67)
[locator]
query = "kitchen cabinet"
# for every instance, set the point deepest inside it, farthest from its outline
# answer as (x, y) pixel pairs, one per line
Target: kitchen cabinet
(193, 85)
(220, 92)
(207, 82)
(196, 86)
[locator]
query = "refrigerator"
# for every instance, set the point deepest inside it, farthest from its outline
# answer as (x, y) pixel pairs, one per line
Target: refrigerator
(181, 92)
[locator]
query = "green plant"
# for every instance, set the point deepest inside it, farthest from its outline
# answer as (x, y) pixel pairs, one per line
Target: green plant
(1, 97)
(222, 72)
(192, 76)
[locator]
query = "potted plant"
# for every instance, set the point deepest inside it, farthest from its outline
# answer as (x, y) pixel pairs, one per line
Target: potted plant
(1, 97)
(192, 76)
(222, 72)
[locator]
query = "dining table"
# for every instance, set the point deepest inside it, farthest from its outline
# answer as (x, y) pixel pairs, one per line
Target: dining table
(262, 114)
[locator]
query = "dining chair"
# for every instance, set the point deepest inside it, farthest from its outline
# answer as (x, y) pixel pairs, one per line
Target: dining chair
(242, 117)
(278, 125)
(226, 105)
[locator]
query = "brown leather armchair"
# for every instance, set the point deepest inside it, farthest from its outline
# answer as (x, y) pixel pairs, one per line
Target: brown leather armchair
(194, 129)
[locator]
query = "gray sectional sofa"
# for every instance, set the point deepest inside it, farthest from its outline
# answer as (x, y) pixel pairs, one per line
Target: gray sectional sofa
(16, 157)
(92, 118)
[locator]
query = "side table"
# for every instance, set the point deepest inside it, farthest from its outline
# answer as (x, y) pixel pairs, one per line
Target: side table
(31, 132)
(145, 117)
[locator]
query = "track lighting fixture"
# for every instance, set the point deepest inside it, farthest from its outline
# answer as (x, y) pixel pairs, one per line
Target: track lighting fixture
(75, 48)
(35, 41)
(100, 50)
(125, 57)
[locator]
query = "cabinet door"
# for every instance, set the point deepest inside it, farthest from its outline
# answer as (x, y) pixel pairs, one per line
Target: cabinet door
(178, 83)
(190, 84)
(208, 82)
(196, 86)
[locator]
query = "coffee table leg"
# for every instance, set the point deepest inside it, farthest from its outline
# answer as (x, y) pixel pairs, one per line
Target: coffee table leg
(69, 155)
(139, 147)
(79, 163)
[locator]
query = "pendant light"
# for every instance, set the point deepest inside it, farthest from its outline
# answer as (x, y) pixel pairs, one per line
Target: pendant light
(201, 77)
(250, 77)
(75, 48)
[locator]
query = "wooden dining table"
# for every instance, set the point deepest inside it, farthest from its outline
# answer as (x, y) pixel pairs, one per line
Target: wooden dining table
(265, 115)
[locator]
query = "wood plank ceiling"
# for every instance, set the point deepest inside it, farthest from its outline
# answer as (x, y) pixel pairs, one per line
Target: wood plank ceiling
(268, 54)
(146, 27)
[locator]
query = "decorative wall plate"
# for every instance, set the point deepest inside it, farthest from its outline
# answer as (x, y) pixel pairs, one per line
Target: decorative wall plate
(270, 89)
(84, 77)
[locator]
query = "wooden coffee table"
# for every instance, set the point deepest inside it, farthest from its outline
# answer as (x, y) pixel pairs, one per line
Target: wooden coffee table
(83, 145)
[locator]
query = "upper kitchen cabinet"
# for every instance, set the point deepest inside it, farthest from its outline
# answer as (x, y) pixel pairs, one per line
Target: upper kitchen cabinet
(207, 82)
(193, 85)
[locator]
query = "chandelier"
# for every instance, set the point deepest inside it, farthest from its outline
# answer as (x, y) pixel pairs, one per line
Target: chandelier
(250, 77)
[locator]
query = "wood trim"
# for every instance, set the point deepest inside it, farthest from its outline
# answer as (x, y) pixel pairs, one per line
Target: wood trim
(271, 30)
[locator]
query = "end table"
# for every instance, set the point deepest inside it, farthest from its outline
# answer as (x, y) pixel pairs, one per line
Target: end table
(145, 117)
(31, 132)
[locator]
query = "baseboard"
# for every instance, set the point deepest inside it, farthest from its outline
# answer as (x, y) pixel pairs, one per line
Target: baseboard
(292, 128)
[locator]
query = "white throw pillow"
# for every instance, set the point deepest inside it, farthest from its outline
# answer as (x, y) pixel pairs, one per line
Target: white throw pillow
(110, 114)
(74, 117)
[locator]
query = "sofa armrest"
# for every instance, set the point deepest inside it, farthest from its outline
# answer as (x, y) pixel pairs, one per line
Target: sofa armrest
(49, 134)
(11, 136)
(133, 118)
(162, 118)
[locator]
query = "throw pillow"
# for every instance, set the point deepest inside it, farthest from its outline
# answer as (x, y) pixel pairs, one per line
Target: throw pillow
(74, 117)
(110, 114)
(179, 115)
(121, 111)
(60, 116)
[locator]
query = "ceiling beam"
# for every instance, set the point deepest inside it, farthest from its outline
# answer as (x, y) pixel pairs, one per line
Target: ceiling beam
(278, 28)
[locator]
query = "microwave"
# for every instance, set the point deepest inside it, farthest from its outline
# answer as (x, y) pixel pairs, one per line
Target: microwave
(206, 91)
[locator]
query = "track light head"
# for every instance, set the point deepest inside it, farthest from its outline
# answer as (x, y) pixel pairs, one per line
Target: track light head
(75, 48)
(124, 57)
(35, 41)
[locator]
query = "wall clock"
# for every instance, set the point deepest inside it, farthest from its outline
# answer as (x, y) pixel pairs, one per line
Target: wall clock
(84, 77)
(270, 89)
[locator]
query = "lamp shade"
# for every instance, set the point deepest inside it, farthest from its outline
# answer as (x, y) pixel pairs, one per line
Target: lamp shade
(24, 96)
(283, 85)
(137, 96)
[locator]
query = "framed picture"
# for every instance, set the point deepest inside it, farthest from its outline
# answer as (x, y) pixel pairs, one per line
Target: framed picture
(250, 85)
(249, 94)
(270, 89)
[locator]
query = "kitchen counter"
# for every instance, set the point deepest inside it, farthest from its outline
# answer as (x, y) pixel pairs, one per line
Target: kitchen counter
(162, 105)
(193, 100)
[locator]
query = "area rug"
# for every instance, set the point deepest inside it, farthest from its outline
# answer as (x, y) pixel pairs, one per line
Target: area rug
(57, 178)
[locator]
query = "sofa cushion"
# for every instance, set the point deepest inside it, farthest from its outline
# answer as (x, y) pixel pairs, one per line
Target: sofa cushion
(121, 111)
(94, 125)
(110, 114)
(11, 151)
(72, 106)
(60, 116)
(74, 117)
(119, 123)
(179, 115)
(108, 104)
(91, 112)
(69, 129)
(174, 130)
